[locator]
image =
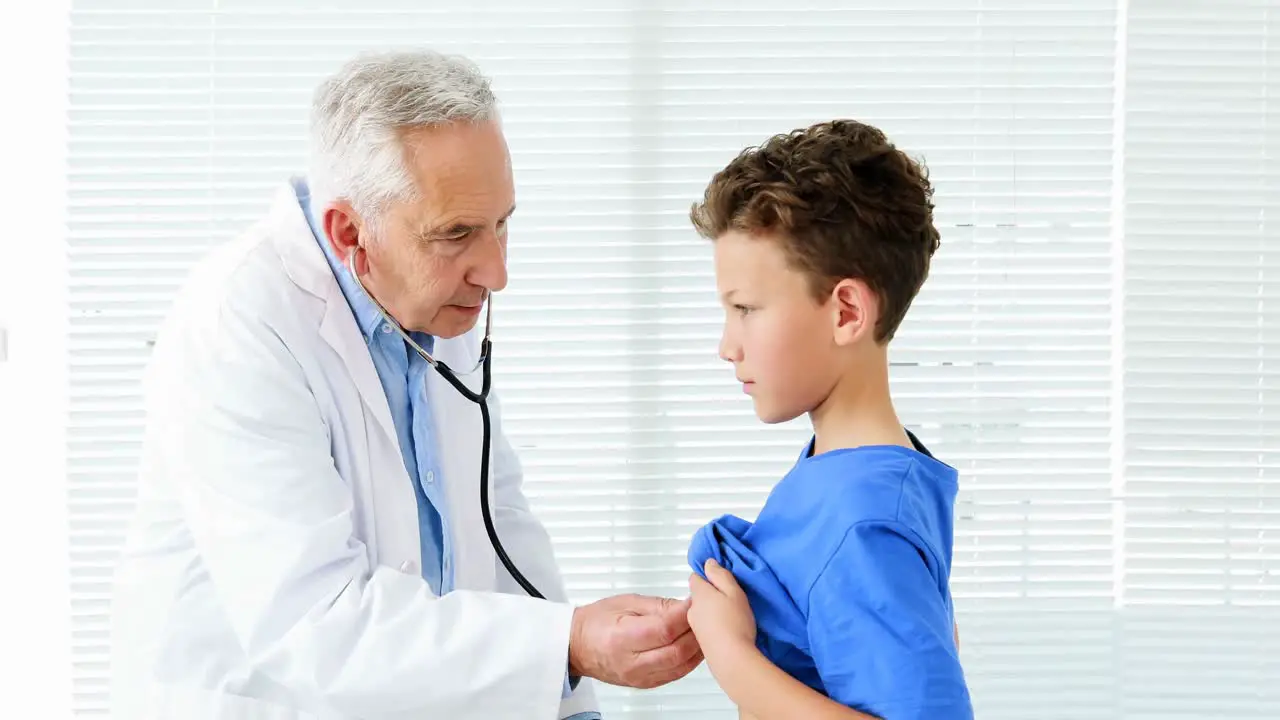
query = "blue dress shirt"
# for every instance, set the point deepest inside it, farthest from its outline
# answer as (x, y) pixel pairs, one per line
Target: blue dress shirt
(402, 372)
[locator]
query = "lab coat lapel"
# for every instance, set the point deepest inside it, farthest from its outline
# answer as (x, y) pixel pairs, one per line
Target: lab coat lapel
(307, 267)
(338, 329)
(460, 432)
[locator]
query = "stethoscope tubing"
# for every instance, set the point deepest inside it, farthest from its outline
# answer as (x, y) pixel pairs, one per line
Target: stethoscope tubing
(481, 400)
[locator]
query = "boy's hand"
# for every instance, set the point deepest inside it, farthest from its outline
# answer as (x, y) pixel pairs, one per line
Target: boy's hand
(720, 616)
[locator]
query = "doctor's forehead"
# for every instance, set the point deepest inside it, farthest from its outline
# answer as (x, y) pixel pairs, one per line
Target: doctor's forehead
(460, 168)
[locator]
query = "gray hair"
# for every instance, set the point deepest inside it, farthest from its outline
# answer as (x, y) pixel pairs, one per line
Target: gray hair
(359, 113)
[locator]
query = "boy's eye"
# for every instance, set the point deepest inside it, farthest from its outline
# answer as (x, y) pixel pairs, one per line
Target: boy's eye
(742, 309)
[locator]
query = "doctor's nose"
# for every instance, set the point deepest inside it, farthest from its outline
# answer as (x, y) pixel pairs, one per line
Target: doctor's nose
(490, 270)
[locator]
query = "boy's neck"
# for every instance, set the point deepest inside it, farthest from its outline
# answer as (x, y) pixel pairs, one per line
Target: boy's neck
(859, 411)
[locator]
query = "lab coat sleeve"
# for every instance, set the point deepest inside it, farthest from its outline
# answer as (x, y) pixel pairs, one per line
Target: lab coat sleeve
(245, 441)
(880, 632)
(528, 545)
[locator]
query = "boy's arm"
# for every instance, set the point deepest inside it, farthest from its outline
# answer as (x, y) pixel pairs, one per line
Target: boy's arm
(764, 692)
(880, 631)
(772, 694)
(721, 618)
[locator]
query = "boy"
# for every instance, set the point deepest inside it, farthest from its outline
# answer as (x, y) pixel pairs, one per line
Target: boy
(835, 603)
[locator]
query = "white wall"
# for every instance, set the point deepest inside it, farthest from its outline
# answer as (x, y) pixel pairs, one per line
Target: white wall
(34, 612)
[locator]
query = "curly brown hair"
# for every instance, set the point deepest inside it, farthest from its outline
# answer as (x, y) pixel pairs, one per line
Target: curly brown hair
(844, 203)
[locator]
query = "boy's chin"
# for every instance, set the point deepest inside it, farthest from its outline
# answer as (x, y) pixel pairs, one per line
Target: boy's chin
(772, 415)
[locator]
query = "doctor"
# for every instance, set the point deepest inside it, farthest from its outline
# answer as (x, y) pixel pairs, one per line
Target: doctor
(309, 541)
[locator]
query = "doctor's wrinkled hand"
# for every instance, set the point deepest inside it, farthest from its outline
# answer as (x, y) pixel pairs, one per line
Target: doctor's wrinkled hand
(633, 640)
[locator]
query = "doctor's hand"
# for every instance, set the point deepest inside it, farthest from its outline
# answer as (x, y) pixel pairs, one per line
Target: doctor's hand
(633, 640)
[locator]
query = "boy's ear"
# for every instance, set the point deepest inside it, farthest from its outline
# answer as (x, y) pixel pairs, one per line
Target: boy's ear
(855, 311)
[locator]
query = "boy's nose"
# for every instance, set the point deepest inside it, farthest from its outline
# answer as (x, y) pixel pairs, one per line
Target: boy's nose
(730, 352)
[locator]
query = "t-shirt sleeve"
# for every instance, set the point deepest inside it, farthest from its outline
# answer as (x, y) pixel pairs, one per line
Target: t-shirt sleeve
(881, 631)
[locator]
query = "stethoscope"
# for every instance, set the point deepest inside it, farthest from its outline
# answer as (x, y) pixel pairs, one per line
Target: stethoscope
(479, 398)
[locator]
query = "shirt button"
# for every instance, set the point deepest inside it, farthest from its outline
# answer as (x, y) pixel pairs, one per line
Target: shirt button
(431, 476)
(386, 328)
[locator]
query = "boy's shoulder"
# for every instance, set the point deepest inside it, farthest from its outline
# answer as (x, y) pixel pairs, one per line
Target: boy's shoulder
(877, 483)
(818, 506)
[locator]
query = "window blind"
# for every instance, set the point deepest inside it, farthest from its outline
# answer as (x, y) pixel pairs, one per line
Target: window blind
(1202, 360)
(184, 116)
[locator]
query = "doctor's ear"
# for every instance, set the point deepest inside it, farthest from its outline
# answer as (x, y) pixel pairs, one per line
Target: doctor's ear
(855, 309)
(341, 224)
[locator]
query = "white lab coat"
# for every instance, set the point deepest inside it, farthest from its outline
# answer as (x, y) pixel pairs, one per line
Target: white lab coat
(272, 571)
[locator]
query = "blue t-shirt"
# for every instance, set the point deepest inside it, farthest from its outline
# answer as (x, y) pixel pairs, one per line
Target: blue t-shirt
(847, 569)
